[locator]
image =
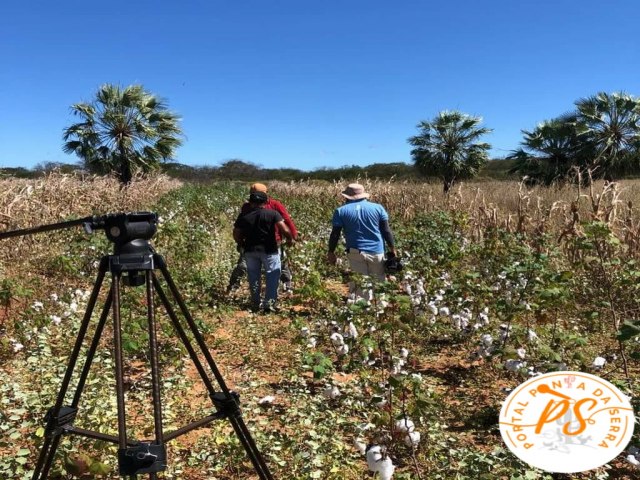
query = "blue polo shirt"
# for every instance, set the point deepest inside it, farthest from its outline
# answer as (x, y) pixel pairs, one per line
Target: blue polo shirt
(360, 222)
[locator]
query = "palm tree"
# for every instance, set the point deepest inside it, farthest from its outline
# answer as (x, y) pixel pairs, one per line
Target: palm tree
(447, 147)
(610, 123)
(551, 152)
(123, 130)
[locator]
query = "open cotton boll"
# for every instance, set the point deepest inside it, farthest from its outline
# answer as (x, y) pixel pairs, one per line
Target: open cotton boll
(336, 339)
(513, 365)
(412, 439)
(521, 352)
(312, 342)
(374, 458)
(360, 445)
(342, 349)
(633, 460)
(386, 469)
(305, 332)
(444, 311)
(331, 392)
(404, 353)
(405, 425)
(598, 362)
(353, 331)
(268, 400)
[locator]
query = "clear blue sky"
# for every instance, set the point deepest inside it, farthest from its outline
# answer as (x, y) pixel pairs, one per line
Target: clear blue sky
(306, 84)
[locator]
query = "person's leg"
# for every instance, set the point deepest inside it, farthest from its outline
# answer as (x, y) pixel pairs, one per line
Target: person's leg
(358, 265)
(285, 271)
(375, 266)
(254, 273)
(272, 274)
(238, 272)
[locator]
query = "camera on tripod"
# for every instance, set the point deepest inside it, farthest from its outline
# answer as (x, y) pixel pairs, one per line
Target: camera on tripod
(134, 263)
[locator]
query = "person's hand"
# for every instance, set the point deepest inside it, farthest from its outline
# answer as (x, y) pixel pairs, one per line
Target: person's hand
(331, 258)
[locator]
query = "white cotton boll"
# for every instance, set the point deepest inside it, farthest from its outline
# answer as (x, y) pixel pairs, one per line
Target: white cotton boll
(374, 458)
(336, 339)
(331, 392)
(372, 328)
(633, 460)
(360, 445)
(55, 319)
(342, 349)
(438, 298)
(487, 340)
(513, 365)
(73, 306)
(444, 311)
(353, 331)
(432, 308)
(598, 362)
(268, 400)
(17, 347)
(407, 289)
(521, 353)
(404, 353)
(305, 332)
(405, 425)
(37, 305)
(386, 469)
(312, 342)
(420, 289)
(412, 439)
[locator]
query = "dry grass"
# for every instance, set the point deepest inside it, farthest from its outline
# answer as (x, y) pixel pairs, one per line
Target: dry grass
(498, 204)
(57, 197)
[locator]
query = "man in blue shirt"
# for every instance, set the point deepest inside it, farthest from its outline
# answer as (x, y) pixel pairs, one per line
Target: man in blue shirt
(366, 230)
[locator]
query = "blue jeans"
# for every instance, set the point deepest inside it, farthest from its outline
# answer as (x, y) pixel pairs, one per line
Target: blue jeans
(256, 261)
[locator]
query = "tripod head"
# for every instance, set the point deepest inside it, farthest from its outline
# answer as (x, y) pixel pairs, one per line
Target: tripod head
(130, 234)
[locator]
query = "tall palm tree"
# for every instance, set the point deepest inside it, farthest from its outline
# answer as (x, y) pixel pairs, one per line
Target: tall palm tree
(123, 130)
(611, 124)
(551, 152)
(448, 147)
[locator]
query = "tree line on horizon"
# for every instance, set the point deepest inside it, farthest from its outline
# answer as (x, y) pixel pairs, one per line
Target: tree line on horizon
(124, 131)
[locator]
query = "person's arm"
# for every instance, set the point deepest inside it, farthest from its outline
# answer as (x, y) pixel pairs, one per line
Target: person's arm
(387, 235)
(333, 243)
(238, 236)
(285, 232)
(282, 210)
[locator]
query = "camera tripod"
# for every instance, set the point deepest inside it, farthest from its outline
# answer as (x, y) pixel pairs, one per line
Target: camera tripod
(134, 263)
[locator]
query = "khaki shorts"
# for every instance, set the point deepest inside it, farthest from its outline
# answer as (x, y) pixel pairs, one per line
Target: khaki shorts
(370, 264)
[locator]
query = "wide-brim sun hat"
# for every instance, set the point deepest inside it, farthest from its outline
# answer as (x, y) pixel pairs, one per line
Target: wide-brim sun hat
(354, 191)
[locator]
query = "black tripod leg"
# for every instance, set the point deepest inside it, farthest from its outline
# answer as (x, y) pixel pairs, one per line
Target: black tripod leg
(53, 430)
(153, 357)
(117, 350)
(236, 420)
